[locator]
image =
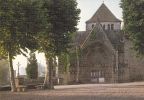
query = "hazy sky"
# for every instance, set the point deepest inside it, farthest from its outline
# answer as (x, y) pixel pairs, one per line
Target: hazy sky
(23, 63)
(89, 7)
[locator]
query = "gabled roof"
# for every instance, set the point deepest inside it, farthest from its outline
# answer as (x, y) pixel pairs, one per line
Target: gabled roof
(103, 14)
(81, 36)
(100, 35)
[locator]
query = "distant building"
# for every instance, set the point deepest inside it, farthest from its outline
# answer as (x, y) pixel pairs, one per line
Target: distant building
(105, 54)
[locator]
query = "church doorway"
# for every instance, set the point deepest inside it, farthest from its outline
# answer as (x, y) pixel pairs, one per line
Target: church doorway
(97, 76)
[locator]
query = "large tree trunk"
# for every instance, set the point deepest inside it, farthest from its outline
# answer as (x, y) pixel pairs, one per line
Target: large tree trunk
(51, 86)
(77, 69)
(66, 73)
(46, 81)
(12, 78)
(56, 66)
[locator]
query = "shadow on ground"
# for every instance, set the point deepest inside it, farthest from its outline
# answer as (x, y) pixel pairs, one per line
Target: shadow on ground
(31, 96)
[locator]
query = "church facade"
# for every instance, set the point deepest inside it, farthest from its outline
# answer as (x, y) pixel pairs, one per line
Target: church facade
(104, 55)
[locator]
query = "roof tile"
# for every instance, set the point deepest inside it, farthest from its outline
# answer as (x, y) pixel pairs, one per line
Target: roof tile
(103, 14)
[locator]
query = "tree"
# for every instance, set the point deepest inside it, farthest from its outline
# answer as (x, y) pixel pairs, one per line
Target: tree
(77, 64)
(21, 21)
(63, 16)
(32, 67)
(4, 75)
(64, 65)
(133, 15)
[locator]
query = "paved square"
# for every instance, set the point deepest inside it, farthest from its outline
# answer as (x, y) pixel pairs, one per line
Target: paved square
(125, 91)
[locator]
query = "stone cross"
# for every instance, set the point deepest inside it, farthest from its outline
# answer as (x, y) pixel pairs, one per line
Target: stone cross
(18, 64)
(103, 1)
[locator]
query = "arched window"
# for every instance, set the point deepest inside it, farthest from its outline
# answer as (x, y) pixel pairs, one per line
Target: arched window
(104, 27)
(92, 25)
(112, 26)
(108, 26)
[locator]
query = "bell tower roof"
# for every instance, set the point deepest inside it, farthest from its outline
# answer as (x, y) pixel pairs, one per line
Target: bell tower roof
(103, 14)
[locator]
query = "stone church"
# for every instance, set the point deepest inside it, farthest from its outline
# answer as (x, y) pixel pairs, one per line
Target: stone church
(104, 54)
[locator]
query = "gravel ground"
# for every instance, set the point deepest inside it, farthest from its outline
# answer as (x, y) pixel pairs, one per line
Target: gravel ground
(127, 91)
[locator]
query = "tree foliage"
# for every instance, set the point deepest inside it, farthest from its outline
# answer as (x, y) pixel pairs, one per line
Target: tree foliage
(20, 22)
(63, 16)
(32, 67)
(133, 15)
(64, 62)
